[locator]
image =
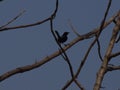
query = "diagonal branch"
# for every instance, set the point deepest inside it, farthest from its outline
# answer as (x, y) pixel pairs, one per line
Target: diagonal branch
(25, 26)
(55, 54)
(81, 65)
(96, 39)
(3, 28)
(12, 20)
(103, 68)
(63, 53)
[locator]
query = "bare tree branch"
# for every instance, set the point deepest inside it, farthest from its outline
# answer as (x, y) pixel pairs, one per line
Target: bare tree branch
(81, 65)
(101, 28)
(24, 26)
(102, 70)
(12, 20)
(55, 54)
(64, 55)
(30, 25)
(114, 55)
(73, 29)
(118, 39)
(113, 68)
(99, 50)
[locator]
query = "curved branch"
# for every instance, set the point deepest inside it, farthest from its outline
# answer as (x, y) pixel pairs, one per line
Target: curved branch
(55, 54)
(33, 24)
(103, 68)
(99, 50)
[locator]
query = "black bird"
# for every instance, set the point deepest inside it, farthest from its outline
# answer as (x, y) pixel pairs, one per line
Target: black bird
(63, 38)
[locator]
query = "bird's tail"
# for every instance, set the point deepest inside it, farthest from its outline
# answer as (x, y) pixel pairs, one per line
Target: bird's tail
(58, 35)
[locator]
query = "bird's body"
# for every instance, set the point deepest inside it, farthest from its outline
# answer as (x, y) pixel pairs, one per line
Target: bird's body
(63, 38)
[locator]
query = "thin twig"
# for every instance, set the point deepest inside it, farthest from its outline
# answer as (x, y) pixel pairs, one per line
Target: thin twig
(103, 68)
(12, 19)
(99, 50)
(113, 68)
(118, 39)
(43, 61)
(25, 26)
(73, 29)
(101, 28)
(98, 34)
(81, 65)
(105, 16)
(114, 55)
(64, 55)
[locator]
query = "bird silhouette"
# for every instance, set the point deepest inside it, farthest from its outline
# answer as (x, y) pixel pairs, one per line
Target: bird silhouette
(63, 38)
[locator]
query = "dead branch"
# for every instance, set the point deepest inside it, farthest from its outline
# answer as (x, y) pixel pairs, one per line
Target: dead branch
(113, 68)
(103, 68)
(55, 54)
(12, 20)
(114, 55)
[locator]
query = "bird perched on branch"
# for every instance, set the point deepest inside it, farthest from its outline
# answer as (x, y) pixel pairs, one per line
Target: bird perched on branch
(63, 38)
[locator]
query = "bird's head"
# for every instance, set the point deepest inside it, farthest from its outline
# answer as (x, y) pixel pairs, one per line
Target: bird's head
(66, 33)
